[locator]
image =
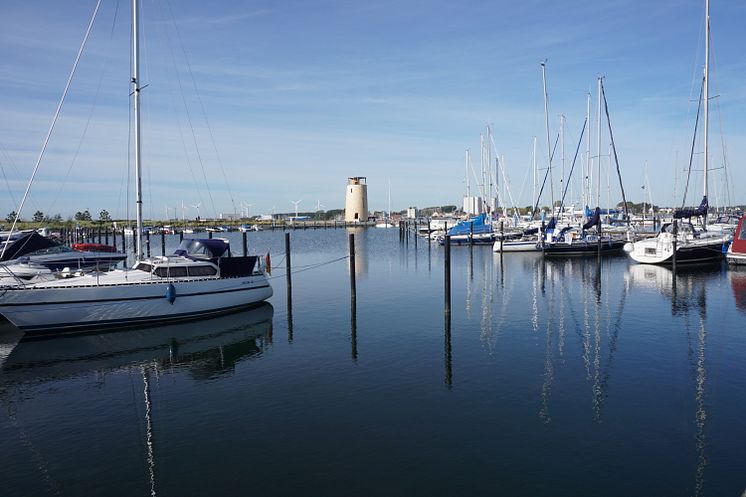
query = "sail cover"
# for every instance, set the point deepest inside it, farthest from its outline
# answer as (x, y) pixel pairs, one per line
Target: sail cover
(593, 221)
(687, 213)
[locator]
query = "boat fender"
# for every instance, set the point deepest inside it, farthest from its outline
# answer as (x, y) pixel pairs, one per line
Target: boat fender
(724, 249)
(170, 293)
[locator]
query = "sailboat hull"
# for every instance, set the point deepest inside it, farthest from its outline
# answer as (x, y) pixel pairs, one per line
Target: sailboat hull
(79, 307)
(653, 251)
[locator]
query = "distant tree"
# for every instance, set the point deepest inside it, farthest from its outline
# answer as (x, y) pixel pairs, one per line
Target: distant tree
(78, 216)
(38, 216)
(83, 216)
(57, 219)
(104, 216)
(11, 217)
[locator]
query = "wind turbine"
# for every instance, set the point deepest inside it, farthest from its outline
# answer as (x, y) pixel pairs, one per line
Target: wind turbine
(319, 205)
(197, 207)
(295, 202)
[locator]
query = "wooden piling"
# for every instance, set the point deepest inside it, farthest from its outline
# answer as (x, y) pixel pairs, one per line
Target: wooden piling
(675, 242)
(163, 243)
(288, 276)
(447, 274)
(147, 243)
(245, 244)
(353, 288)
(502, 235)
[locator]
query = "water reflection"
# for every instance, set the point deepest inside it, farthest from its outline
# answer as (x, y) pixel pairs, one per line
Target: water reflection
(738, 285)
(361, 249)
(205, 348)
(686, 289)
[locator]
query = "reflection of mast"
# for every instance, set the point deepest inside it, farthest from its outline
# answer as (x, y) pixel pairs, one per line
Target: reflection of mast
(546, 388)
(701, 415)
(149, 430)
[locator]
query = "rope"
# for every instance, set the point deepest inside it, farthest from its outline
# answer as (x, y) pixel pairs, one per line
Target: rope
(311, 266)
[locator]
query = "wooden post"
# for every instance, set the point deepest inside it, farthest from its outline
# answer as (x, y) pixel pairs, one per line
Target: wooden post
(209, 234)
(353, 289)
(471, 233)
(428, 232)
(106, 236)
(147, 243)
(502, 235)
(447, 275)
(99, 234)
(114, 239)
(163, 243)
(245, 244)
(181, 236)
(288, 277)
(675, 242)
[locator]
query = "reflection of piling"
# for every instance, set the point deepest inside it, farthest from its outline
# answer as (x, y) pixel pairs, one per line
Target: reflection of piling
(245, 244)
(353, 329)
(447, 279)
(288, 277)
(447, 350)
(353, 289)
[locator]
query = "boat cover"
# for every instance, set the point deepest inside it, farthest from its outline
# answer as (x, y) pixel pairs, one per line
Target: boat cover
(688, 212)
(29, 242)
(593, 219)
(479, 223)
(738, 245)
(201, 248)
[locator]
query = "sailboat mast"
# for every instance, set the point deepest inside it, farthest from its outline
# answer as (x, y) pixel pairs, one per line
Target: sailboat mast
(587, 175)
(598, 147)
(136, 99)
(706, 96)
(546, 123)
(534, 161)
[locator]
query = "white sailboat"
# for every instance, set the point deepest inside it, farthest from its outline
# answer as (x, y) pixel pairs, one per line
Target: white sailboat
(688, 242)
(201, 279)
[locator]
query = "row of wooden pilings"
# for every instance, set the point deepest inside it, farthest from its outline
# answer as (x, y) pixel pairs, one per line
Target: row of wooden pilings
(119, 239)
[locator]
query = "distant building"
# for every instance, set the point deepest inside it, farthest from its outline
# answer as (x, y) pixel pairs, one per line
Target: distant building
(230, 216)
(411, 212)
(356, 200)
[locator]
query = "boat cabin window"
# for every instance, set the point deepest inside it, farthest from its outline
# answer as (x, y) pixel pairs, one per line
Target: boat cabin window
(202, 271)
(172, 272)
(742, 235)
(142, 266)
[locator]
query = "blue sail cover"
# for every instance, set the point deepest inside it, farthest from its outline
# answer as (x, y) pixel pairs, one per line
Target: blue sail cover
(688, 213)
(589, 212)
(476, 225)
(593, 219)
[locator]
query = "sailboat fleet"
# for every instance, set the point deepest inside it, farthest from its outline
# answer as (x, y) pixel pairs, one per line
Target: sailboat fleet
(203, 277)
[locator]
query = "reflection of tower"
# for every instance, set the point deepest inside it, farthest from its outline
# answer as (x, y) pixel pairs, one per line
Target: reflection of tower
(361, 249)
(356, 200)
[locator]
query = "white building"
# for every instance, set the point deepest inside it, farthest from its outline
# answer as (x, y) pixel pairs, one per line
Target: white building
(356, 200)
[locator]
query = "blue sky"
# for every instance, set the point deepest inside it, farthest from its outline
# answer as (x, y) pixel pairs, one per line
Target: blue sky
(287, 99)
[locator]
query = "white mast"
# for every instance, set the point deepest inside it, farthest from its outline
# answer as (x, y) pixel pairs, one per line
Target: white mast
(533, 199)
(562, 153)
(546, 122)
(587, 175)
(706, 95)
(598, 148)
(136, 98)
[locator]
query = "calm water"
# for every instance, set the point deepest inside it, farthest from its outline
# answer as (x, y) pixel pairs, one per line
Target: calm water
(553, 378)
